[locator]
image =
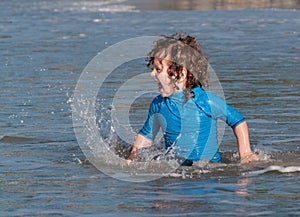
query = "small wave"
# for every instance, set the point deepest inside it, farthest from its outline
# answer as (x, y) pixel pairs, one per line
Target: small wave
(269, 161)
(204, 169)
(274, 168)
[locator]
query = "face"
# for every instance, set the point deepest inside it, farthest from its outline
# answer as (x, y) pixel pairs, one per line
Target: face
(160, 75)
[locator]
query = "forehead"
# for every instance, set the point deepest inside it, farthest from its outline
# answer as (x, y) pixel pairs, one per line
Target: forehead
(161, 63)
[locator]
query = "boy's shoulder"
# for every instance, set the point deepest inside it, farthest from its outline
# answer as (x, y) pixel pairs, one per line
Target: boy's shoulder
(156, 103)
(199, 94)
(158, 99)
(206, 101)
(202, 95)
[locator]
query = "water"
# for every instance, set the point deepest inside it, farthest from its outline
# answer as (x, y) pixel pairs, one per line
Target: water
(44, 48)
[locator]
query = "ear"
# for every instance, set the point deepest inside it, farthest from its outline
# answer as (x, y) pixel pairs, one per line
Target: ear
(183, 75)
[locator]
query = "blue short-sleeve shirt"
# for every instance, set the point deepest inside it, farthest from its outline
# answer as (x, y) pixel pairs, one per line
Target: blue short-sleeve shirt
(190, 127)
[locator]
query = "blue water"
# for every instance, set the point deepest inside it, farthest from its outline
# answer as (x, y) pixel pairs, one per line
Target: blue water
(44, 48)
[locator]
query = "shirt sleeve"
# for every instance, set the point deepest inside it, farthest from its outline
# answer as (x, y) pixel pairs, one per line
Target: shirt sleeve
(151, 125)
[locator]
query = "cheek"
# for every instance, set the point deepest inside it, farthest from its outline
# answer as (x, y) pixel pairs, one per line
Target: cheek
(164, 79)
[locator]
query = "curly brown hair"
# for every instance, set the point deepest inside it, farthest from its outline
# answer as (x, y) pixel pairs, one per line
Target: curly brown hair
(182, 52)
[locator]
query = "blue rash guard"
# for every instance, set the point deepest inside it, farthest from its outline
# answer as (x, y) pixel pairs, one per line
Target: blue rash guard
(190, 128)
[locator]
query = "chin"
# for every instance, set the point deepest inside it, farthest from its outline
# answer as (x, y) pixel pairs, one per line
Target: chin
(165, 94)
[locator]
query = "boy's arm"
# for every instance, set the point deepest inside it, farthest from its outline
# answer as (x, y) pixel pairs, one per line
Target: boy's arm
(140, 142)
(242, 136)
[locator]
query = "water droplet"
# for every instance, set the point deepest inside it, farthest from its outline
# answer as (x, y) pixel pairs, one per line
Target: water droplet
(97, 20)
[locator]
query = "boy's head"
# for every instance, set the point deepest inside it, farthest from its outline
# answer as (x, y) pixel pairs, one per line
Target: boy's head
(185, 60)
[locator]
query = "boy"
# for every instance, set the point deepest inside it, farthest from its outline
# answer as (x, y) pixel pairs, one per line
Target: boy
(185, 112)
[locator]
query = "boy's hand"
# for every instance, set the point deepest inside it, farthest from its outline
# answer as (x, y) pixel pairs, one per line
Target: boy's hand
(131, 156)
(140, 142)
(249, 158)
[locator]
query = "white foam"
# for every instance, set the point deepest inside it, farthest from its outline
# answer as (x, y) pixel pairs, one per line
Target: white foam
(281, 169)
(103, 6)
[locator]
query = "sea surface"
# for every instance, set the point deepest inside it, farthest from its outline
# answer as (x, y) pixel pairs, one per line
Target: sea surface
(46, 45)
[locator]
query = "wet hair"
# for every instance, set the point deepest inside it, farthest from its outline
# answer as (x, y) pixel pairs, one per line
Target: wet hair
(182, 52)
